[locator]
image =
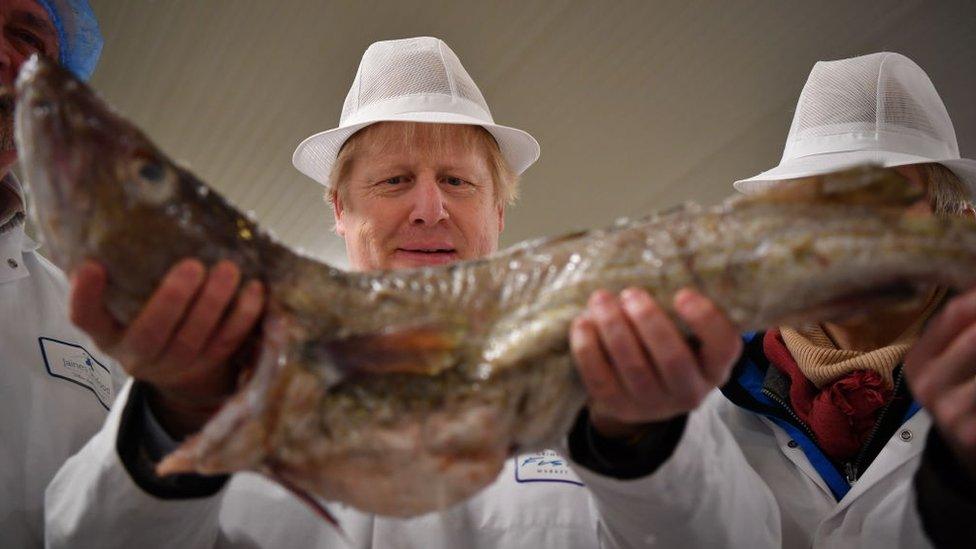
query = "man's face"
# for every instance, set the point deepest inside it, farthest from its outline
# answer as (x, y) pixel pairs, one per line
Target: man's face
(26, 30)
(416, 204)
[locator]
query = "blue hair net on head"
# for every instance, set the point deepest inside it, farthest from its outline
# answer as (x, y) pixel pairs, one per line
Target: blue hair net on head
(79, 38)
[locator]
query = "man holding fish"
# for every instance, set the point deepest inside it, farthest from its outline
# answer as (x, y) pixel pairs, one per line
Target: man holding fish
(415, 178)
(56, 386)
(423, 184)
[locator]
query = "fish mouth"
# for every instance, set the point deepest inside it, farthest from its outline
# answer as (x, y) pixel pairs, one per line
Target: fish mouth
(43, 138)
(51, 155)
(6, 119)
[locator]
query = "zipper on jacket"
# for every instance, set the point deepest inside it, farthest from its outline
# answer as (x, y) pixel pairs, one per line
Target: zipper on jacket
(852, 470)
(789, 410)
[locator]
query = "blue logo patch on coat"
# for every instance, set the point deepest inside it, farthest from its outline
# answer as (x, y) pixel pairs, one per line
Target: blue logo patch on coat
(544, 466)
(74, 363)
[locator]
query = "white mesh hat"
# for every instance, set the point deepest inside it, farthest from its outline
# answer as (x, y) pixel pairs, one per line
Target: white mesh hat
(879, 108)
(411, 80)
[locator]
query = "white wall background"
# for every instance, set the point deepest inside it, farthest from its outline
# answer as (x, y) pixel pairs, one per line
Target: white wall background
(638, 105)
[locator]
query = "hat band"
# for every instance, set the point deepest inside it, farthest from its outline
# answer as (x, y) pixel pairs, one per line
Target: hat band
(420, 103)
(890, 141)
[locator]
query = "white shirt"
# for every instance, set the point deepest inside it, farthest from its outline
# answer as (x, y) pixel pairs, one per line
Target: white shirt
(55, 388)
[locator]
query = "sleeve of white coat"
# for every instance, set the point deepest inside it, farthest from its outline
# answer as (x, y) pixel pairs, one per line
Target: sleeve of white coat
(93, 501)
(945, 496)
(704, 495)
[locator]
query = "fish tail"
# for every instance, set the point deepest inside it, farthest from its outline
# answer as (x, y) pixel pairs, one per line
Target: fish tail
(180, 460)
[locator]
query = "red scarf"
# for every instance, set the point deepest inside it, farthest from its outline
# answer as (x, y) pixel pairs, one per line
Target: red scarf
(843, 413)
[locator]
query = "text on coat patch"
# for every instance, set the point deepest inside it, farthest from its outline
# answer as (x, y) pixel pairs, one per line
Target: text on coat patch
(544, 466)
(74, 363)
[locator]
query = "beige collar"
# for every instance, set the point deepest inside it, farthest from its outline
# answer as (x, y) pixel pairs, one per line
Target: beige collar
(823, 363)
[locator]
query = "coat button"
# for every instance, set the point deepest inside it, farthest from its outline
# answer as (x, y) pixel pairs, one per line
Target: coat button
(906, 435)
(12, 263)
(792, 444)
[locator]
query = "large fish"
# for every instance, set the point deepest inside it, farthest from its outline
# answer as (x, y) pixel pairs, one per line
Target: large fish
(404, 392)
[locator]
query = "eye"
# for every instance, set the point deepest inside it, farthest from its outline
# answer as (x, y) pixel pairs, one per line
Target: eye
(393, 180)
(154, 180)
(455, 181)
(152, 171)
(31, 40)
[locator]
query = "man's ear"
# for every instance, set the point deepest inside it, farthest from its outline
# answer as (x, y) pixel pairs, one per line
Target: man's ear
(337, 213)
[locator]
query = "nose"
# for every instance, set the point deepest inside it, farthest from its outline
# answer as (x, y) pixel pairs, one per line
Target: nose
(428, 202)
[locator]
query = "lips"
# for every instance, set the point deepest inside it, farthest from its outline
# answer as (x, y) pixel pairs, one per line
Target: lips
(428, 250)
(418, 256)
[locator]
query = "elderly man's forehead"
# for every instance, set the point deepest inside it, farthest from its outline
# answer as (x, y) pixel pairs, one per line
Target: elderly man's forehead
(408, 135)
(426, 139)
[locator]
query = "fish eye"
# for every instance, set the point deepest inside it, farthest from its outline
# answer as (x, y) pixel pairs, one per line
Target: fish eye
(152, 171)
(154, 180)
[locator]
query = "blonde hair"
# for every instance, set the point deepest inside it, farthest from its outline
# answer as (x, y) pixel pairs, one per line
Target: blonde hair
(947, 194)
(433, 138)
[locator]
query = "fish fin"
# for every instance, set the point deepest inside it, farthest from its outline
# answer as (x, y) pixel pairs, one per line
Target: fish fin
(868, 184)
(424, 350)
(308, 500)
(180, 460)
(234, 439)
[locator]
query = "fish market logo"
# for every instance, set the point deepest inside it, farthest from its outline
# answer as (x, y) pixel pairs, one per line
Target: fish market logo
(544, 466)
(74, 363)
(543, 462)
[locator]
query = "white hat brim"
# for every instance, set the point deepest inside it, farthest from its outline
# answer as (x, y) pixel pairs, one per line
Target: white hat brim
(818, 164)
(316, 155)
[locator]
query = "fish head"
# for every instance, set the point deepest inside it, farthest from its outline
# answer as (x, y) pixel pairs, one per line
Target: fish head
(99, 188)
(86, 167)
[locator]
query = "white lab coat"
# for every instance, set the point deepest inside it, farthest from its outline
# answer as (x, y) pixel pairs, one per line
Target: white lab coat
(93, 502)
(734, 480)
(55, 388)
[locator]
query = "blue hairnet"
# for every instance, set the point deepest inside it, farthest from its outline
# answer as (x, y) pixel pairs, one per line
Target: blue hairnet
(78, 35)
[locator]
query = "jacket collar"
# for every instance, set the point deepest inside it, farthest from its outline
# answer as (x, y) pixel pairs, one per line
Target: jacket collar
(12, 183)
(14, 242)
(758, 388)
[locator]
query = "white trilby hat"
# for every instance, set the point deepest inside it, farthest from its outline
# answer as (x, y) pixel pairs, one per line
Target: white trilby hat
(411, 80)
(879, 108)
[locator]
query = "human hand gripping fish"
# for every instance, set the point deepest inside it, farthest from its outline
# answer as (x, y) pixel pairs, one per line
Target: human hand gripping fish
(404, 392)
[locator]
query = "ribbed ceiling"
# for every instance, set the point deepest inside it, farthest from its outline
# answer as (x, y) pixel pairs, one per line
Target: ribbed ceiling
(637, 105)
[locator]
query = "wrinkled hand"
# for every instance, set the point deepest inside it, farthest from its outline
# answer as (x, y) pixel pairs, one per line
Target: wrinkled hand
(941, 371)
(636, 365)
(181, 340)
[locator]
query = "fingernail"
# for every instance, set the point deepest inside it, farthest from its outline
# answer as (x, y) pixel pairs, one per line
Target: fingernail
(253, 287)
(577, 325)
(226, 270)
(687, 301)
(631, 294)
(600, 298)
(190, 269)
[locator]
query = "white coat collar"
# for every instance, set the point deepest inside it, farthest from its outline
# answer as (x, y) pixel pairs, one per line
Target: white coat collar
(14, 243)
